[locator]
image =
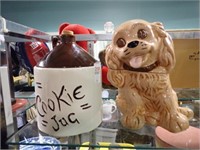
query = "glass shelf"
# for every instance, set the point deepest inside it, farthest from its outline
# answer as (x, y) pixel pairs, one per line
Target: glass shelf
(30, 103)
(14, 32)
(183, 95)
(116, 134)
(26, 96)
(188, 94)
(78, 140)
(112, 137)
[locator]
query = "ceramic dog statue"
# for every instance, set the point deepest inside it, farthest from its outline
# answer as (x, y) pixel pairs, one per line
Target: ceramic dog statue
(140, 58)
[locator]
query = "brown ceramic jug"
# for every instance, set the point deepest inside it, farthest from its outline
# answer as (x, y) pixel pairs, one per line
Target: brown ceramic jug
(68, 90)
(67, 54)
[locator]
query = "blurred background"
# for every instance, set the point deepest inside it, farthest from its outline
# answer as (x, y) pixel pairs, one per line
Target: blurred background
(47, 15)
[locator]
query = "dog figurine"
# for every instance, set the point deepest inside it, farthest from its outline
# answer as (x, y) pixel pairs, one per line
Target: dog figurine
(140, 58)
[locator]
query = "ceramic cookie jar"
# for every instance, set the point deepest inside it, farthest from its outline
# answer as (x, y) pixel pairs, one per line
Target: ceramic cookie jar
(68, 90)
(140, 58)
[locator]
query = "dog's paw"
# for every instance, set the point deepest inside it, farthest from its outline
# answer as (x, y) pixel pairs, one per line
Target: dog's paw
(122, 104)
(133, 122)
(177, 123)
(186, 111)
(152, 118)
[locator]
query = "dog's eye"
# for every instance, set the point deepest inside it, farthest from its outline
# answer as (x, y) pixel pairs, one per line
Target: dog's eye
(142, 34)
(121, 42)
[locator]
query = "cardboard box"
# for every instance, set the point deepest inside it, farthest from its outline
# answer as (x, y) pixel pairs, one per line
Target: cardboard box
(186, 71)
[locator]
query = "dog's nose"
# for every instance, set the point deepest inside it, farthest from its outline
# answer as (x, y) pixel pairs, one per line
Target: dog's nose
(133, 44)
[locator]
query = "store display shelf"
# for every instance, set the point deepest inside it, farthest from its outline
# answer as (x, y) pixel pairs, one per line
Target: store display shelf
(29, 103)
(184, 34)
(113, 136)
(188, 94)
(107, 135)
(14, 32)
(184, 95)
(73, 141)
(23, 94)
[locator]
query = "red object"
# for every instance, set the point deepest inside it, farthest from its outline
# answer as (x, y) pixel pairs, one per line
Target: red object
(77, 29)
(104, 75)
(18, 104)
(30, 53)
(35, 50)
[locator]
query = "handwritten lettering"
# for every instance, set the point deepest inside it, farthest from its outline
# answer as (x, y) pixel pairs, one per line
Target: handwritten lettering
(44, 123)
(85, 106)
(51, 104)
(38, 99)
(76, 92)
(54, 119)
(60, 99)
(44, 107)
(64, 121)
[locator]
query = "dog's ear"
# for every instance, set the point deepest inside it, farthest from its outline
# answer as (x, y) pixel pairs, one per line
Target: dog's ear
(159, 29)
(166, 55)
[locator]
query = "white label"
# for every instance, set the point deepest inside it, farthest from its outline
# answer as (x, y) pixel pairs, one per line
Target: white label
(97, 66)
(68, 100)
